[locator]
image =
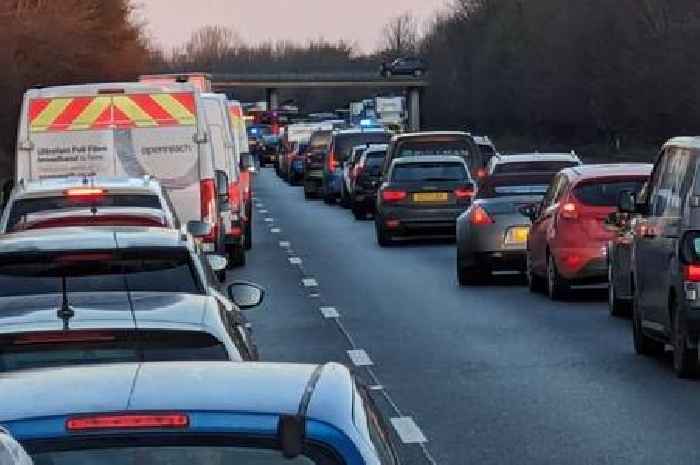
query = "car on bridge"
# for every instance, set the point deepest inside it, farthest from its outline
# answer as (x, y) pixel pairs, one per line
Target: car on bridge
(195, 413)
(408, 66)
(422, 196)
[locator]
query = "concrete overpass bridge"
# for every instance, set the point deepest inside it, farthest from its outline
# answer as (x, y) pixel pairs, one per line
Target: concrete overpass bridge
(271, 83)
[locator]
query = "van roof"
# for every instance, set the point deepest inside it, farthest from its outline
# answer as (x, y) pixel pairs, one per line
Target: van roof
(84, 90)
(685, 142)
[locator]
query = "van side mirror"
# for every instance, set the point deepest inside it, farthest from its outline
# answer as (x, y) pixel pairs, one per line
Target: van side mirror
(246, 295)
(222, 186)
(247, 162)
(198, 228)
(201, 138)
(627, 202)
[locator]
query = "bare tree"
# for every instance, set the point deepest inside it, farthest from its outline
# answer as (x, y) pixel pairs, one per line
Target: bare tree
(400, 36)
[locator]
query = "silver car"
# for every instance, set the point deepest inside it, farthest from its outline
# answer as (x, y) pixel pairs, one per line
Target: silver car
(492, 233)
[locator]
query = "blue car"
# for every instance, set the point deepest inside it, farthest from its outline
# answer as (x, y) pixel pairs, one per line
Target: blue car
(194, 413)
(339, 152)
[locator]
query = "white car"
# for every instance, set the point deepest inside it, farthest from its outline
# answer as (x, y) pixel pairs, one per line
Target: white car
(532, 162)
(88, 201)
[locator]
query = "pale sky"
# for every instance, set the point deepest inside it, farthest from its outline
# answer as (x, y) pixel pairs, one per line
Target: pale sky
(170, 22)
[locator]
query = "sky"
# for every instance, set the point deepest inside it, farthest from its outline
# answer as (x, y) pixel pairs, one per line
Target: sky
(170, 22)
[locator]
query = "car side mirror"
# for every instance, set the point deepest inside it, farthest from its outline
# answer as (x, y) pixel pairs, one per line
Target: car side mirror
(198, 228)
(222, 186)
(217, 262)
(246, 295)
(247, 162)
(627, 202)
(530, 211)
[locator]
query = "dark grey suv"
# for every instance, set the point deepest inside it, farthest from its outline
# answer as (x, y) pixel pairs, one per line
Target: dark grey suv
(665, 261)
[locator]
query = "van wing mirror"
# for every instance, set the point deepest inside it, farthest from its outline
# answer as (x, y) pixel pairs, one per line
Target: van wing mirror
(222, 186)
(198, 228)
(627, 202)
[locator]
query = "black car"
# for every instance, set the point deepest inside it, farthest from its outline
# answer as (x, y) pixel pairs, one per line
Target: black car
(117, 294)
(404, 67)
(422, 196)
(313, 171)
(366, 181)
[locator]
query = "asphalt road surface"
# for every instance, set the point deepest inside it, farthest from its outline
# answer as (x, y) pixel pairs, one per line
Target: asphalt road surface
(490, 374)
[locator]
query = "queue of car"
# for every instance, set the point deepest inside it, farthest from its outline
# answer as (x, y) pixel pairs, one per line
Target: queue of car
(119, 341)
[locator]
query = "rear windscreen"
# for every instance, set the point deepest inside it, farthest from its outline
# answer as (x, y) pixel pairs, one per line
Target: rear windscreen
(514, 185)
(137, 270)
(605, 193)
(344, 143)
(49, 349)
(24, 208)
(320, 139)
(429, 172)
(417, 148)
(532, 166)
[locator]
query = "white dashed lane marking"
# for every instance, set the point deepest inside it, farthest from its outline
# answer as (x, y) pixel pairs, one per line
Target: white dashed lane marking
(309, 282)
(329, 312)
(275, 230)
(285, 244)
(295, 260)
(408, 430)
(360, 358)
(269, 220)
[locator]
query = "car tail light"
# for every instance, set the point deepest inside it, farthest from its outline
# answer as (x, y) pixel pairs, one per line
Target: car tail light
(236, 231)
(392, 224)
(479, 216)
(85, 192)
(207, 195)
(481, 173)
(691, 273)
(128, 421)
(332, 162)
(357, 170)
(569, 211)
(464, 192)
(62, 337)
(393, 195)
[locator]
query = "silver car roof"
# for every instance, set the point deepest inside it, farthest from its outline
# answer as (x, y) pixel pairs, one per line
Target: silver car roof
(525, 157)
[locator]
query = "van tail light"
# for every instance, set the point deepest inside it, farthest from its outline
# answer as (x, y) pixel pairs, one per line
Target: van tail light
(332, 162)
(481, 173)
(128, 421)
(393, 195)
(479, 216)
(207, 195)
(569, 211)
(464, 193)
(691, 273)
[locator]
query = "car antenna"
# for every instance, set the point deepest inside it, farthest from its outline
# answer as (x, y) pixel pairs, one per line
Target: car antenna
(65, 313)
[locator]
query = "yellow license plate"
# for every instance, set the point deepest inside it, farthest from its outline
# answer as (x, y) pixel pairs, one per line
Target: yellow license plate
(517, 235)
(430, 197)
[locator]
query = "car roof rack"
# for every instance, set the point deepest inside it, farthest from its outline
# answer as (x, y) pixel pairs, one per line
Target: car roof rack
(291, 429)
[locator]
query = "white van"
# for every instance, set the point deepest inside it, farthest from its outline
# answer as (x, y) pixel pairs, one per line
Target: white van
(247, 168)
(127, 129)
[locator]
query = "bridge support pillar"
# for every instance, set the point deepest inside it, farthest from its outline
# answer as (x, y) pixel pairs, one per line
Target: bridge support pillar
(413, 109)
(273, 99)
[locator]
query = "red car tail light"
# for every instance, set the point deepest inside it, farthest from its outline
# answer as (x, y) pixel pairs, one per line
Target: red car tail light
(84, 192)
(63, 337)
(128, 421)
(479, 216)
(332, 162)
(207, 195)
(464, 192)
(481, 173)
(569, 211)
(691, 273)
(393, 195)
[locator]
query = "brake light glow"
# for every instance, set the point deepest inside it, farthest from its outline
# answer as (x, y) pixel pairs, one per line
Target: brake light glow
(464, 192)
(207, 195)
(479, 216)
(691, 273)
(332, 162)
(393, 195)
(63, 337)
(569, 211)
(128, 421)
(481, 173)
(84, 192)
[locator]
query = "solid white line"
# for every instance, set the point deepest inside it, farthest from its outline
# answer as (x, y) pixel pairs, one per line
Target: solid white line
(329, 312)
(285, 244)
(359, 358)
(408, 430)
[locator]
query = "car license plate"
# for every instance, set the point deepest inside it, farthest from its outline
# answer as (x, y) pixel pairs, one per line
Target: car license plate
(434, 197)
(517, 235)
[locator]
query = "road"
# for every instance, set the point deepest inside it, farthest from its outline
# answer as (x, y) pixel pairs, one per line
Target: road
(491, 374)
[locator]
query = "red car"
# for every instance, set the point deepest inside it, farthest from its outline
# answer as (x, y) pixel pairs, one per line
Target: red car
(567, 243)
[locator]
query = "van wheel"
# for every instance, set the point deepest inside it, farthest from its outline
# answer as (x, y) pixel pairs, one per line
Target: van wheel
(236, 256)
(535, 284)
(685, 359)
(557, 287)
(643, 344)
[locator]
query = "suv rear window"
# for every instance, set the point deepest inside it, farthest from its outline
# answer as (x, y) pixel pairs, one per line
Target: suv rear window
(416, 172)
(166, 269)
(417, 148)
(41, 350)
(532, 166)
(605, 193)
(24, 208)
(513, 185)
(344, 143)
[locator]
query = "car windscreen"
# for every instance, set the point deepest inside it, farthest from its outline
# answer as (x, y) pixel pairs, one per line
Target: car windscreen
(22, 209)
(344, 143)
(605, 192)
(174, 449)
(78, 347)
(514, 185)
(166, 269)
(429, 172)
(418, 148)
(532, 166)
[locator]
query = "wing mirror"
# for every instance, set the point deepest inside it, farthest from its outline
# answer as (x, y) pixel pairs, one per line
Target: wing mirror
(530, 211)
(627, 202)
(246, 295)
(222, 186)
(247, 162)
(198, 228)
(217, 262)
